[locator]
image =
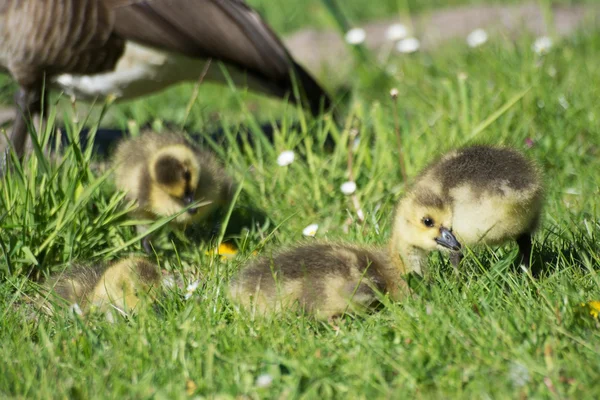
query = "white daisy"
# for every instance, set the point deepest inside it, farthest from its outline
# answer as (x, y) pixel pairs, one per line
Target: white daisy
(477, 38)
(286, 158)
(348, 187)
(542, 45)
(190, 289)
(355, 36)
(264, 381)
(310, 230)
(396, 32)
(408, 45)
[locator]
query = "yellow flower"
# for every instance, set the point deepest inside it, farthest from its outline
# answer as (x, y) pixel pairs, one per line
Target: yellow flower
(225, 250)
(594, 306)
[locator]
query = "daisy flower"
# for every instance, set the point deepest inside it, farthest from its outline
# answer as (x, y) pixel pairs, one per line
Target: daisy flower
(355, 36)
(477, 38)
(286, 158)
(408, 45)
(310, 230)
(396, 32)
(348, 187)
(542, 45)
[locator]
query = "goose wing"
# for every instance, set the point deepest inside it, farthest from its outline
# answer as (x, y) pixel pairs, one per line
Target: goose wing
(224, 30)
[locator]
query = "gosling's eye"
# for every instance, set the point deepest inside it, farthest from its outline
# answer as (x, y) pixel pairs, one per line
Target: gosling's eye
(428, 222)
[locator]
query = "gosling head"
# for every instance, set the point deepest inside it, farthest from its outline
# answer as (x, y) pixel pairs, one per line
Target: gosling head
(424, 222)
(175, 170)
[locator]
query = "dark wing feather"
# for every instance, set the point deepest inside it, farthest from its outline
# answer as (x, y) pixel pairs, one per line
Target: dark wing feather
(225, 30)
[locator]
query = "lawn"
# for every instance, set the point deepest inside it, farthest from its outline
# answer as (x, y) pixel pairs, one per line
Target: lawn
(486, 332)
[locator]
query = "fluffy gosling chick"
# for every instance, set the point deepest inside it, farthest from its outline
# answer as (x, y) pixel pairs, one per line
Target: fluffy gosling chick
(165, 173)
(323, 279)
(483, 194)
(326, 280)
(119, 286)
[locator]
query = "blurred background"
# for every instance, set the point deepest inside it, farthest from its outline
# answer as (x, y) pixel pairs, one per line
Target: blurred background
(355, 67)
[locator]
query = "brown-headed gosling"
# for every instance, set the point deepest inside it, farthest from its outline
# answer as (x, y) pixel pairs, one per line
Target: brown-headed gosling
(119, 286)
(492, 195)
(327, 279)
(165, 173)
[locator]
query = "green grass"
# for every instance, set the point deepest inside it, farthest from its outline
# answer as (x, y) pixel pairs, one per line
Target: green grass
(488, 332)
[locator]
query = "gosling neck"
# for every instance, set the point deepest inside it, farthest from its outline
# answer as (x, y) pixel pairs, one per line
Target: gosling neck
(406, 258)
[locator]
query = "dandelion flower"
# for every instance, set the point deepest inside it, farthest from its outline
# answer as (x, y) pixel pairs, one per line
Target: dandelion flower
(396, 32)
(355, 36)
(542, 45)
(594, 307)
(264, 380)
(408, 45)
(286, 158)
(394, 93)
(477, 38)
(310, 230)
(190, 387)
(225, 250)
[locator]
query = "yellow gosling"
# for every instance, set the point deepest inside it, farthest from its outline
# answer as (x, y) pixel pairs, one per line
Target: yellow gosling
(165, 173)
(119, 286)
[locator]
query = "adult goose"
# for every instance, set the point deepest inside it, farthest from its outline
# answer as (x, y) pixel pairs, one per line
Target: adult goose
(129, 48)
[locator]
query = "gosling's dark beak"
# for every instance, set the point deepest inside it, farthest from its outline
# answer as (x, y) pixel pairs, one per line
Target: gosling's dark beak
(187, 200)
(447, 239)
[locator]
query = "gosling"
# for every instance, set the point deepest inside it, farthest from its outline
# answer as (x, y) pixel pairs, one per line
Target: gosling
(323, 279)
(165, 173)
(327, 280)
(494, 195)
(119, 286)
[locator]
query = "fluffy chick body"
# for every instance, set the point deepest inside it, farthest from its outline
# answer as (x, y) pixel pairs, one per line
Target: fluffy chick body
(322, 279)
(120, 285)
(484, 195)
(165, 173)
